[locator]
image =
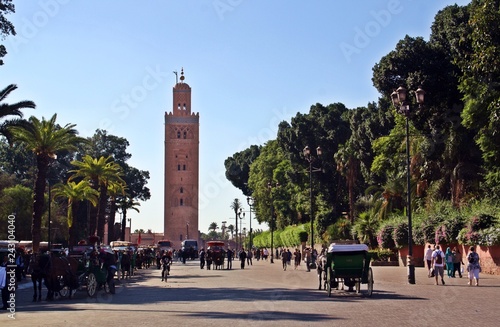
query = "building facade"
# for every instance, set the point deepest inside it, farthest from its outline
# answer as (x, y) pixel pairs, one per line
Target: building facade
(181, 167)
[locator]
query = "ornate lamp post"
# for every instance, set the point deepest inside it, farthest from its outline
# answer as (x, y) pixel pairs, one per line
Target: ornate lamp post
(310, 158)
(239, 215)
(250, 204)
(399, 100)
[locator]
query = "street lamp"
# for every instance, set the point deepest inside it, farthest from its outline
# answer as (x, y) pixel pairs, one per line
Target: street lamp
(239, 215)
(270, 187)
(50, 236)
(310, 158)
(399, 100)
(187, 230)
(250, 204)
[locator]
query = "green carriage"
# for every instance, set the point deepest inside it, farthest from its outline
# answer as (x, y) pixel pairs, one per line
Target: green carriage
(349, 265)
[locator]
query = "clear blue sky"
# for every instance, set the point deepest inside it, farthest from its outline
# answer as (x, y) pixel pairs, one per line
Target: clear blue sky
(250, 64)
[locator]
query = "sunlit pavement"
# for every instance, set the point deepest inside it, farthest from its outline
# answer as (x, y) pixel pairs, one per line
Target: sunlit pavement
(265, 295)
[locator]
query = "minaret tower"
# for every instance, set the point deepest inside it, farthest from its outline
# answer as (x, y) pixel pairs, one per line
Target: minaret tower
(182, 140)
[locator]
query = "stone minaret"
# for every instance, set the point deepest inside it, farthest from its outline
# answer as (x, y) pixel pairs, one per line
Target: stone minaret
(182, 140)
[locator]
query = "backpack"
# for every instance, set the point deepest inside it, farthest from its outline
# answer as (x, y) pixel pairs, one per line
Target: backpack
(471, 258)
(439, 258)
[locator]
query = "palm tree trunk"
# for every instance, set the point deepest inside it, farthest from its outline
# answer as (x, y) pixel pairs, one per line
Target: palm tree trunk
(124, 223)
(42, 163)
(111, 221)
(101, 211)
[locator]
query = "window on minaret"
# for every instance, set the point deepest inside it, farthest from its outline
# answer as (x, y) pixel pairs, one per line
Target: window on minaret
(178, 167)
(182, 190)
(185, 134)
(178, 135)
(179, 106)
(184, 106)
(183, 167)
(182, 202)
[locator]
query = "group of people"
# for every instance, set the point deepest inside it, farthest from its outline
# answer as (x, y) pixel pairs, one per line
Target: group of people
(206, 258)
(452, 259)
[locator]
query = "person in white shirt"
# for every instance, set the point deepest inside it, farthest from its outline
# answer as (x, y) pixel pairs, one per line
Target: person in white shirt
(428, 259)
(438, 263)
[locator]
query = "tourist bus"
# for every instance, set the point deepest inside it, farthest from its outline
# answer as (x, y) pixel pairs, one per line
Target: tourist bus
(120, 245)
(190, 248)
(164, 245)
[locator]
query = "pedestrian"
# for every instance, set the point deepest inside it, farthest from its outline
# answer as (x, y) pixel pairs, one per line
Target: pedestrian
(289, 257)
(307, 258)
(449, 262)
(209, 258)
(297, 258)
(457, 262)
(428, 259)
(243, 257)
(284, 259)
(229, 257)
(4, 285)
(249, 257)
(201, 254)
(473, 266)
(438, 264)
(265, 254)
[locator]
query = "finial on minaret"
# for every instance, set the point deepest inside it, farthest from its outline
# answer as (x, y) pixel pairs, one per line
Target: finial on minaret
(182, 75)
(176, 80)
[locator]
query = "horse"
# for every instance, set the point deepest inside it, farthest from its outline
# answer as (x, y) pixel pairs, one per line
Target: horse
(321, 269)
(62, 272)
(125, 264)
(38, 267)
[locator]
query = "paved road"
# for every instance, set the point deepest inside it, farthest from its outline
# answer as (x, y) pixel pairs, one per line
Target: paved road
(265, 295)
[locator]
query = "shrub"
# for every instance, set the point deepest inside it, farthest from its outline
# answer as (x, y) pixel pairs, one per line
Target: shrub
(380, 254)
(400, 234)
(440, 235)
(384, 237)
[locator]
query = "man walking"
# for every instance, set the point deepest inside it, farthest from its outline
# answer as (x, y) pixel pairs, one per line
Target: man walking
(243, 257)
(229, 257)
(438, 263)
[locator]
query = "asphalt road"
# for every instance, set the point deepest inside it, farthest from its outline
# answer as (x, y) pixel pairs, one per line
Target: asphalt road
(265, 295)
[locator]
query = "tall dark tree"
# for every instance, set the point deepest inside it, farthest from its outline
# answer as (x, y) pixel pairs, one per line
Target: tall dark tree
(238, 168)
(6, 27)
(45, 138)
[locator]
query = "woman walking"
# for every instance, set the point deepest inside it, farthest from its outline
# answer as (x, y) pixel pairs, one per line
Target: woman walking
(449, 262)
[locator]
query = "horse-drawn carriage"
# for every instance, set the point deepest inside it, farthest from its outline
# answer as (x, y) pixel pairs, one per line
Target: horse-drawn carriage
(349, 265)
(216, 249)
(96, 268)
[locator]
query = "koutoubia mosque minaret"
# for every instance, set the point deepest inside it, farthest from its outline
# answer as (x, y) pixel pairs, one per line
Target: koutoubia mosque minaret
(182, 140)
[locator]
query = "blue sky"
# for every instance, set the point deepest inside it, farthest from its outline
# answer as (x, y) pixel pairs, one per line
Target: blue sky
(250, 64)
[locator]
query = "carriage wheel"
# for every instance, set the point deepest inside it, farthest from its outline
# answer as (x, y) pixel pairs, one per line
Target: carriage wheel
(91, 285)
(329, 281)
(370, 282)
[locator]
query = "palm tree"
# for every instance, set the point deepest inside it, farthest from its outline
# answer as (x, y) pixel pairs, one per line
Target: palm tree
(236, 206)
(213, 226)
(230, 228)
(114, 189)
(100, 173)
(124, 205)
(45, 138)
(75, 194)
(12, 110)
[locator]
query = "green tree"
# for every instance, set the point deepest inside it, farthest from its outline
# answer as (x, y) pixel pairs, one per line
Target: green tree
(238, 168)
(74, 194)
(6, 27)
(14, 109)
(101, 173)
(45, 138)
